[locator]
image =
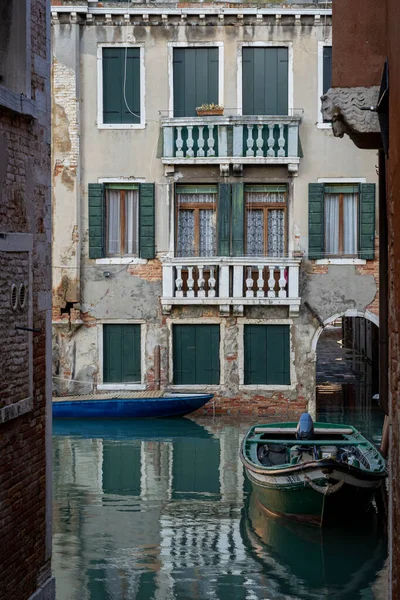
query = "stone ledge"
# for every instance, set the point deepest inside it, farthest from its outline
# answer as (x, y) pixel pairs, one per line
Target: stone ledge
(47, 591)
(15, 410)
(18, 103)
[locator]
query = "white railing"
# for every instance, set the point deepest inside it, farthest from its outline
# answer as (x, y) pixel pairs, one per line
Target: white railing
(226, 139)
(230, 281)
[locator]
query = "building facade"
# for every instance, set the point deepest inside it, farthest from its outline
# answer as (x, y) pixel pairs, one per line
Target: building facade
(25, 302)
(221, 242)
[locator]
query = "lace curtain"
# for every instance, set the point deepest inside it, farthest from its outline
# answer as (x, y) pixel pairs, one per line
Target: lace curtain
(186, 225)
(131, 222)
(259, 218)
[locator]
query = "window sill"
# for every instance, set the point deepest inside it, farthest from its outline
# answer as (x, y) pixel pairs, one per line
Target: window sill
(114, 387)
(198, 388)
(266, 388)
(18, 103)
(122, 260)
(121, 126)
(341, 261)
(324, 125)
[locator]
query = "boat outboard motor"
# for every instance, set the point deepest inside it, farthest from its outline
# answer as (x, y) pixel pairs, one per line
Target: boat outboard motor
(305, 427)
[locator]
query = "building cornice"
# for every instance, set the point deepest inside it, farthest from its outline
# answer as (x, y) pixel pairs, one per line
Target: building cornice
(162, 9)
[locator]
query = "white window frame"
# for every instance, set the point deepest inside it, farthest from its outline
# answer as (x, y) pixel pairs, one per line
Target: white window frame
(200, 388)
(266, 387)
(341, 261)
(121, 260)
(100, 124)
(143, 333)
(320, 121)
(171, 46)
(239, 82)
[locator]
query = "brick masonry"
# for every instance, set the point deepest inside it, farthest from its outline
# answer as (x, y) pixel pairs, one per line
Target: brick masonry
(25, 525)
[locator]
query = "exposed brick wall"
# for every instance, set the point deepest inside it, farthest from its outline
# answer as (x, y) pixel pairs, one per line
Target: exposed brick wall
(372, 268)
(256, 404)
(152, 271)
(25, 208)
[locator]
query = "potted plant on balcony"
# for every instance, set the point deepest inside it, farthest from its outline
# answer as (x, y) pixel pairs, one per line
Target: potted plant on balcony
(206, 110)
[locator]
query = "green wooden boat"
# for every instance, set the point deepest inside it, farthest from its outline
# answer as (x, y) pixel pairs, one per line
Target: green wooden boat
(314, 473)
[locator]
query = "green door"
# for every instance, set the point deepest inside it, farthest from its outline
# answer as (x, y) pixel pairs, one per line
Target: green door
(196, 354)
(195, 79)
(265, 81)
(266, 354)
(121, 353)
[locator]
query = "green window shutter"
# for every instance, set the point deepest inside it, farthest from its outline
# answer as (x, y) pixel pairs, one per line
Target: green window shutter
(195, 79)
(367, 221)
(265, 81)
(115, 109)
(327, 66)
(238, 219)
(96, 220)
(266, 355)
(224, 218)
(315, 220)
(196, 354)
(147, 236)
(121, 354)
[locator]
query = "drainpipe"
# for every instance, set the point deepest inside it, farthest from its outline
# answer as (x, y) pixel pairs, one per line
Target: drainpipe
(383, 302)
(157, 370)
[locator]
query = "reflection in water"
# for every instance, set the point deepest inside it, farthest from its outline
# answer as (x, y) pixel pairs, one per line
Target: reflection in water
(159, 510)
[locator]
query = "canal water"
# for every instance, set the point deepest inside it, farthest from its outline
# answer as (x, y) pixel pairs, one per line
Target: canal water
(161, 510)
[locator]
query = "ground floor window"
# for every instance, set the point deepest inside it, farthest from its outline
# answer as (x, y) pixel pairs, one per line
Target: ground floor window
(266, 354)
(121, 353)
(196, 354)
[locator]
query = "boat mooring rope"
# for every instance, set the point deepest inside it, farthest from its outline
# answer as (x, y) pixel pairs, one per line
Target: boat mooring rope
(326, 490)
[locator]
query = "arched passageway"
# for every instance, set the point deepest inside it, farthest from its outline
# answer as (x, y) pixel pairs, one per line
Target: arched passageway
(347, 372)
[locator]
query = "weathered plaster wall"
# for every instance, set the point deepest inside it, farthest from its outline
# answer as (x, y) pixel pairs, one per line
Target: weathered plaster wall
(133, 292)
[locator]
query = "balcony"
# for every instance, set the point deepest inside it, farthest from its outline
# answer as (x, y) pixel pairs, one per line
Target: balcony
(236, 282)
(236, 140)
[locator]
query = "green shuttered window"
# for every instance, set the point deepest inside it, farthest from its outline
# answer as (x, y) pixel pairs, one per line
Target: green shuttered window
(266, 355)
(230, 220)
(121, 354)
(196, 354)
(121, 220)
(341, 220)
(121, 85)
(195, 79)
(265, 81)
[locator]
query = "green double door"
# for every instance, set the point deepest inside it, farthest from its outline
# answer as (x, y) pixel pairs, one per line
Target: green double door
(196, 354)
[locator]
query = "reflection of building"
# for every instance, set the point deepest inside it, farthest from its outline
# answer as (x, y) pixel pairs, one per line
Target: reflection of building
(129, 503)
(202, 235)
(25, 301)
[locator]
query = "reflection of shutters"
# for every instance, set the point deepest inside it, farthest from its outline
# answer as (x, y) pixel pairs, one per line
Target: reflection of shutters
(238, 219)
(224, 218)
(121, 468)
(96, 220)
(327, 67)
(315, 220)
(265, 81)
(367, 221)
(196, 354)
(147, 220)
(266, 354)
(121, 353)
(195, 468)
(115, 110)
(195, 79)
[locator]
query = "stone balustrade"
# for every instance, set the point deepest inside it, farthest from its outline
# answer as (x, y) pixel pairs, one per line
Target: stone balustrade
(232, 139)
(231, 282)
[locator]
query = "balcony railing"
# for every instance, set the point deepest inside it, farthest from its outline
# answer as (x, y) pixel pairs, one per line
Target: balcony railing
(231, 282)
(231, 139)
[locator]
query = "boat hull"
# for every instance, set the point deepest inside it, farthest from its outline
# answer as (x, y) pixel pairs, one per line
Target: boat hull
(129, 407)
(300, 497)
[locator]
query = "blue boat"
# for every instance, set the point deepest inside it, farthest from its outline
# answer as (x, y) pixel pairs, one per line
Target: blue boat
(128, 405)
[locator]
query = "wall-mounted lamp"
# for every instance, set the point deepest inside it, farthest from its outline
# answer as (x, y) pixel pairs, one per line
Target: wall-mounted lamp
(106, 274)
